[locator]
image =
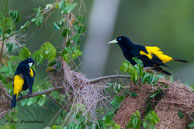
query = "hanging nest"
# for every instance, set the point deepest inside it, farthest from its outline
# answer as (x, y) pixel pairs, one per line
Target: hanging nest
(175, 109)
(77, 88)
(131, 104)
(5, 101)
(177, 98)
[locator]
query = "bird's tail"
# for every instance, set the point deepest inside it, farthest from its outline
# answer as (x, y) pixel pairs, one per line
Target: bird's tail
(13, 101)
(180, 60)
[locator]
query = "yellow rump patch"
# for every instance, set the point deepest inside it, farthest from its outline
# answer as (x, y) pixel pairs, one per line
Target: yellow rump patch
(156, 51)
(31, 72)
(18, 84)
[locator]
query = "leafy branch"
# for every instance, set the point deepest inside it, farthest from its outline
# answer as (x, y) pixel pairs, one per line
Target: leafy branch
(92, 81)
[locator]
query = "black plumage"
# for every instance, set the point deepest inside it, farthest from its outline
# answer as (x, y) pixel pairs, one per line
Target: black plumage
(151, 56)
(23, 79)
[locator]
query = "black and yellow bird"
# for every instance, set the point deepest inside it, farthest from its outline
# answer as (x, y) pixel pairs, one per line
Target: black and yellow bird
(151, 56)
(23, 79)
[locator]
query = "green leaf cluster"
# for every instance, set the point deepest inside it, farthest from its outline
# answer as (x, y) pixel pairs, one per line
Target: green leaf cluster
(191, 125)
(117, 101)
(135, 121)
(66, 6)
(107, 122)
(137, 73)
(47, 51)
(149, 121)
(115, 86)
(7, 25)
(39, 17)
(15, 15)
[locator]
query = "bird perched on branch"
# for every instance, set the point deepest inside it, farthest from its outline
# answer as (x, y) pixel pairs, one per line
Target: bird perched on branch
(23, 79)
(151, 56)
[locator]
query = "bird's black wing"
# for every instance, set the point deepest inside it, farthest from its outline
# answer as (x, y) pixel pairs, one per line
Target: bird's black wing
(28, 79)
(146, 61)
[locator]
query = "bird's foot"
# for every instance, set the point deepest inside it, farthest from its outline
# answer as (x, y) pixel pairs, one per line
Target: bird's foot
(148, 69)
(21, 94)
(29, 93)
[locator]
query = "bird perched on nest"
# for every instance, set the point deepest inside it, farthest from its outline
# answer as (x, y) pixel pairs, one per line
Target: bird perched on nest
(151, 56)
(23, 79)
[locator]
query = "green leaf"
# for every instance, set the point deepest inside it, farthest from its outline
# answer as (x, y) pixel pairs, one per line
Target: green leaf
(76, 38)
(117, 101)
(49, 6)
(138, 61)
(81, 19)
(41, 101)
(124, 67)
(150, 120)
(116, 126)
(10, 47)
(65, 32)
(25, 26)
(37, 57)
(24, 53)
(108, 119)
(133, 94)
(70, 6)
(15, 15)
(56, 26)
(30, 101)
(157, 92)
(80, 28)
(135, 121)
(76, 53)
(48, 51)
(1, 17)
(39, 17)
(66, 57)
(181, 115)
(191, 125)
(9, 25)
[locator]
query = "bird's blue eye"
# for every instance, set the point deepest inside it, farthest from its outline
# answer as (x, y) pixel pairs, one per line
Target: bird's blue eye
(119, 39)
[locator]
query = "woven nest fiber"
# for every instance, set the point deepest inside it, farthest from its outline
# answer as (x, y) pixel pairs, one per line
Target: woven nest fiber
(177, 97)
(130, 105)
(5, 101)
(76, 87)
(169, 118)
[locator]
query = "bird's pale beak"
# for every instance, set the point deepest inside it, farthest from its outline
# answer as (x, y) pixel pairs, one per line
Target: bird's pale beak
(113, 41)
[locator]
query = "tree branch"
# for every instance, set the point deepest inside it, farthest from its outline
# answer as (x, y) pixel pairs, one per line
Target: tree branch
(39, 93)
(95, 80)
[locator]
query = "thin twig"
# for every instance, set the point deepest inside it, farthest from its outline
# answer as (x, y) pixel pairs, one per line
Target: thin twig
(54, 100)
(40, 93)
(4, 90)
(99, 79)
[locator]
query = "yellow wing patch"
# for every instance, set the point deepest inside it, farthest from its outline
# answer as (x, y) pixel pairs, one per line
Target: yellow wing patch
(156, 51)
(18, 84)
(31, 72)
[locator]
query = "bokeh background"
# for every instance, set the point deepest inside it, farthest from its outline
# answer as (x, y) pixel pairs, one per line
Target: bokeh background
(168, 24)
